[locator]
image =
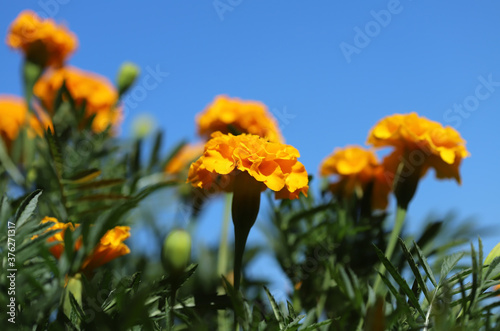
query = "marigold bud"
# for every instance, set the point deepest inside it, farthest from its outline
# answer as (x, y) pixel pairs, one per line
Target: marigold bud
(126, 76)
(176, 252)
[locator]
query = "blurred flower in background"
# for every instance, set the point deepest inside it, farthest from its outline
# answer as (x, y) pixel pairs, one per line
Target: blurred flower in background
(358, 171)
(183, 158)
(14, 116)
(93, 92)
(232, 115)
(41, 40)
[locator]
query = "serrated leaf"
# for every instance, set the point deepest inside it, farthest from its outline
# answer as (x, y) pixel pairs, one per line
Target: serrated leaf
(55, 151)
(425, 264)
(27, 208)
(277, 313)
(414, 269)
(399, 280)
(448, 264)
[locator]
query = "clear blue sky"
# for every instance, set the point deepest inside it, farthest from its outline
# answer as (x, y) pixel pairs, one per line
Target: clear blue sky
(309, 62)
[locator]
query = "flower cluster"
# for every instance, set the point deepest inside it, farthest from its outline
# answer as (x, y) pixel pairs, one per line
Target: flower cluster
(232, 115)
(42, 41)
(95, 92)
(273, 164)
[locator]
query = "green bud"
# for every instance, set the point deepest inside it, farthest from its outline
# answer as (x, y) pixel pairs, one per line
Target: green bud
(126, 76)
(176, 252)
(143, 125)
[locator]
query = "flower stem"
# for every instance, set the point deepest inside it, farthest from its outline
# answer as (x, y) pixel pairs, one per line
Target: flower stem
(244, 210)
(222, 257)
(396, 231)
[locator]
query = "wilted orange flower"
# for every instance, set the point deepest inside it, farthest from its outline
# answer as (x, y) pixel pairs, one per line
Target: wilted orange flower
(273, 164)
(232, 115)
(358, 170)
(96, 92)
(14, 115)
(109, 248)
(425, 143)
(42, 40)
(183, 158)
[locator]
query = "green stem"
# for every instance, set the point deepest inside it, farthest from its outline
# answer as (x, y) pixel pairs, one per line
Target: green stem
(222, 258)
(170, 307)
(222, 255)
(396, 231)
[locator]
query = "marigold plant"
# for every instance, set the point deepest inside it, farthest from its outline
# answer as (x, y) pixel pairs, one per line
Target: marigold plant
(233, 115)
(87, 89)
(41, 40)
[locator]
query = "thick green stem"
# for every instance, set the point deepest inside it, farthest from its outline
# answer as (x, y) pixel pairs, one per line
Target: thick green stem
(244, 210)
(396, 231)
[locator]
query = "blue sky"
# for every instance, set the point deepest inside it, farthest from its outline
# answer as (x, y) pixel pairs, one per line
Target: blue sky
(329, 70)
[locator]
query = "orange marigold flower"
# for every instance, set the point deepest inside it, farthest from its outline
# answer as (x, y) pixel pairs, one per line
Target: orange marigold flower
(232, 115)
(14, 116)
(273, 164)
(42, 40)
(109, 247)
(96, 92)
(358, 170)
(419, 144)
(183, 158)
(426, 144)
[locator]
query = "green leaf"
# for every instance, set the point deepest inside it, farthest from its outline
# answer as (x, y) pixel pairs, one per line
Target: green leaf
(414, 269)
(401, 282)
(101, 184)
(316, 326)
(27, 208)
(82, 177)
(55, 151)
(277, 313)
(156, 150)
(493, 269)
(448, 264)
(425, 264)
